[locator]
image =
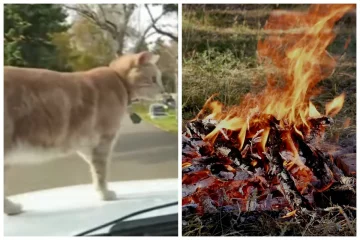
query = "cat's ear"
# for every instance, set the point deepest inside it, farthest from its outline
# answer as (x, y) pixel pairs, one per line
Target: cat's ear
(146, 57)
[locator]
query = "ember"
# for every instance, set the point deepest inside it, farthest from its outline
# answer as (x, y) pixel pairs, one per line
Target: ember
(264, 154)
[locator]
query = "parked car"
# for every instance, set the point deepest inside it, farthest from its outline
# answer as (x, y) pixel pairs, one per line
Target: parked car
(170, 102)
(157, 110)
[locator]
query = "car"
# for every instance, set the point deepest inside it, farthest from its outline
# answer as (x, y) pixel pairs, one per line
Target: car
(170, 102)
(144, 207)
(157, 110)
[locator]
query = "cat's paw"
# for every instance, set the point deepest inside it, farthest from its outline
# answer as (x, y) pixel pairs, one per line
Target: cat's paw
(107, 195)
(11, 208)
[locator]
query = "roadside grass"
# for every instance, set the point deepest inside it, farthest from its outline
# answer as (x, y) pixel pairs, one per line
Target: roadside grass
(168, 123)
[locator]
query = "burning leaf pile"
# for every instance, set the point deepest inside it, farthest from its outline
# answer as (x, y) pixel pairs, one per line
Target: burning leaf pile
(264, 155)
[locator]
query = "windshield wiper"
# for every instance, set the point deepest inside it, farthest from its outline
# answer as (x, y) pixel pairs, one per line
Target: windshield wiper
(126, 217)
(164, 225)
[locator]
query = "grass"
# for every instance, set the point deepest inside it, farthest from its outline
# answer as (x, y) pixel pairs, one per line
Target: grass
(168, 123)
(333, 221)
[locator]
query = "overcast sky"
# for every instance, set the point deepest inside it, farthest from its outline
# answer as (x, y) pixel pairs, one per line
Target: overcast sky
(170, 20)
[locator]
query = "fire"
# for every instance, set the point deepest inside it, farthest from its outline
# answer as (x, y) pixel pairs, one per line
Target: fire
(313, 112)
(261, 148)
(347, 122)
(299, 55)
(333, 107)
(290, 214)
(264, 138)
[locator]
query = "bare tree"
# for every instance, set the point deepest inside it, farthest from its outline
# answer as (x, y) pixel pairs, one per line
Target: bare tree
(115, 18)
(112, 18)
(157, 29)
(146, 34)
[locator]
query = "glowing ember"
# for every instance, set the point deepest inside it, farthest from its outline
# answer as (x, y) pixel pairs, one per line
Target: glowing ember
(290, 214)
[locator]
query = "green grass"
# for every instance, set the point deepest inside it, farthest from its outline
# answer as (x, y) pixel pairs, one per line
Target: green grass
(167, 123)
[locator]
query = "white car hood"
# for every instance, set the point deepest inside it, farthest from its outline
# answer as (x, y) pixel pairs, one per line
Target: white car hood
(68, 211)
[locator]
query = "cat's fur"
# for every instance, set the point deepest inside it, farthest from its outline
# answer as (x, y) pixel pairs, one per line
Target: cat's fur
(49, 114)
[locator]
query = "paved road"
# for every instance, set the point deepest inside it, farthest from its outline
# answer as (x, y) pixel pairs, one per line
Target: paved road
(142, 152)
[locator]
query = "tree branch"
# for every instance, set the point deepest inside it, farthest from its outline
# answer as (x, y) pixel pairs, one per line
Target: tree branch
(118, 33)
(149, 35)
(105, 19)
(88, 14)
(145, 33)
(158, 30)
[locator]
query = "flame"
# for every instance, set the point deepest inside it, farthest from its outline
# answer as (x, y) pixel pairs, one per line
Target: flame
(206, 105)
(296, 60)
(230, 168)
(230, 124)
(186, 164)
(334, 107)
(348, 40)
(289, 214)
(264, 139)
(295, 51)
(300, 57)
(291, 146)
(347, 122)
(242, 135)
(298, 132)
(254, 163)
(216, 108)
(313, 112)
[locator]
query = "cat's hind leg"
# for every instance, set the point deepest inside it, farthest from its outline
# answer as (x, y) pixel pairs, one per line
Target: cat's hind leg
(99, 159)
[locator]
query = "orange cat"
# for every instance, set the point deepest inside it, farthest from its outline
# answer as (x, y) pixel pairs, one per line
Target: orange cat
(48, 114)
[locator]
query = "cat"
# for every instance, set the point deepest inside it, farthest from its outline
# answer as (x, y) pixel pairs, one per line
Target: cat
(48, 114)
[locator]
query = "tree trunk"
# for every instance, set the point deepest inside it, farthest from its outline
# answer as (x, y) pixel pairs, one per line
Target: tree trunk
(120, 41)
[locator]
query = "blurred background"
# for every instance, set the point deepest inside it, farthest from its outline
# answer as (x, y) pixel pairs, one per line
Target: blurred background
(79, 37)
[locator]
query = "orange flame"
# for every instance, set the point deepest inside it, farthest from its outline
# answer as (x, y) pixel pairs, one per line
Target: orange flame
(347, 122)
(295, 48)
(289, 214)
(313, 112)
(300, 57)
(295, 52)
(334, 107)
(264, 139)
